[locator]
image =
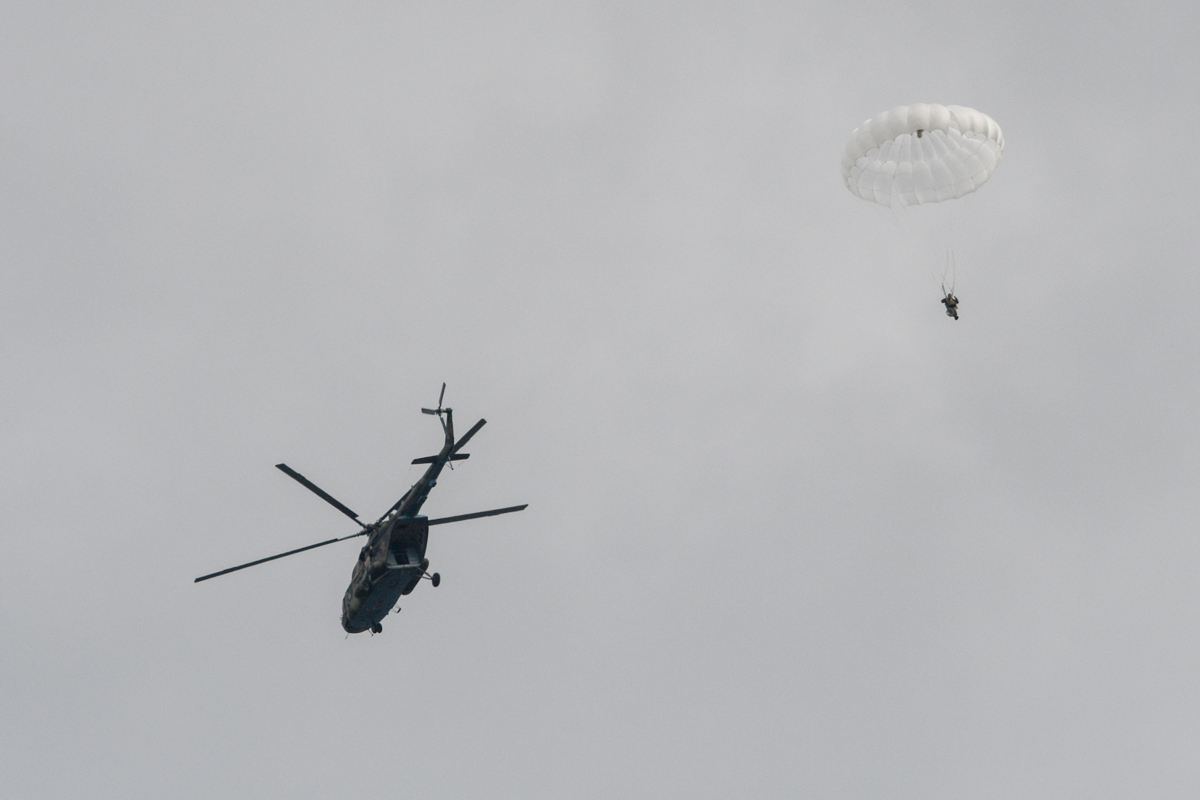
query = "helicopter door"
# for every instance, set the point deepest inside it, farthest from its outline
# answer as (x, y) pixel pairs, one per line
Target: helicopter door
(408, 540)
(403, 558)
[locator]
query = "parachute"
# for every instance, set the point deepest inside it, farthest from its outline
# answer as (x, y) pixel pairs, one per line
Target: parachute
(921, 153)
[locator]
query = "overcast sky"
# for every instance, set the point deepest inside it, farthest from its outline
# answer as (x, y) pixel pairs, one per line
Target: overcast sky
(792, 531)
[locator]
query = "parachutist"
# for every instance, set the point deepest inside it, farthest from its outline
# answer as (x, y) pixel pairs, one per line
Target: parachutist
(951, 303)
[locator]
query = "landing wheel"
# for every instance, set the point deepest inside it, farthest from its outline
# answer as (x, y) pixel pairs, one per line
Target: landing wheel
(436, 579)
(376, 628)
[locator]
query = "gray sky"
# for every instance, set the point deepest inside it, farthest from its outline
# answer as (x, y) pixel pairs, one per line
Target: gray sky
(792, 532)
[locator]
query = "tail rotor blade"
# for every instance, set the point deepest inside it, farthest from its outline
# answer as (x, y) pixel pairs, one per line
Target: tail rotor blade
(436, 411)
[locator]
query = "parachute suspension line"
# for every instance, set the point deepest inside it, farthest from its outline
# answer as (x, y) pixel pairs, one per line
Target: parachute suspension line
(948, 296)
(951, 271)
(892, 215)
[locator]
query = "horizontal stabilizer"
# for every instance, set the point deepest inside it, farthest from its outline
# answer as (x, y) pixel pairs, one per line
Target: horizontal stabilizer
(431, 459)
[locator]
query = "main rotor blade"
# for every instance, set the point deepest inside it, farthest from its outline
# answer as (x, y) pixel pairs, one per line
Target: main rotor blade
(492, 513)
(281, 555)
(467, 436)
(319, 492)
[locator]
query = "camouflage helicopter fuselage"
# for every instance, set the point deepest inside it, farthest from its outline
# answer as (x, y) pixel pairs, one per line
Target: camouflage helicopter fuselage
(390, 565)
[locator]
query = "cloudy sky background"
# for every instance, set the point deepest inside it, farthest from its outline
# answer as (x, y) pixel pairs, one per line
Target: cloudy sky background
(792, 532)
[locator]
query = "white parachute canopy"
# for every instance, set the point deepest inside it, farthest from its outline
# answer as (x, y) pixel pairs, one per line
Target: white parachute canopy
(922, 153)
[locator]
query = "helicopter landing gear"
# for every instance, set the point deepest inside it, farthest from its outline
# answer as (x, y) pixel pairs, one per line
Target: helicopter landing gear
(376, 628)
(436, 579)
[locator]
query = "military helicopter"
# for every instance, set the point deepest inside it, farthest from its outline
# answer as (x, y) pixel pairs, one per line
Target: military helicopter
(393, 561)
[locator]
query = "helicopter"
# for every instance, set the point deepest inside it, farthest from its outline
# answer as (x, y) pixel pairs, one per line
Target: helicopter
(392, 562)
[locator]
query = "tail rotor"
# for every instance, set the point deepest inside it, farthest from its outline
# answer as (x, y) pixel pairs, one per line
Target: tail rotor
(439, 410)
(445, 416)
